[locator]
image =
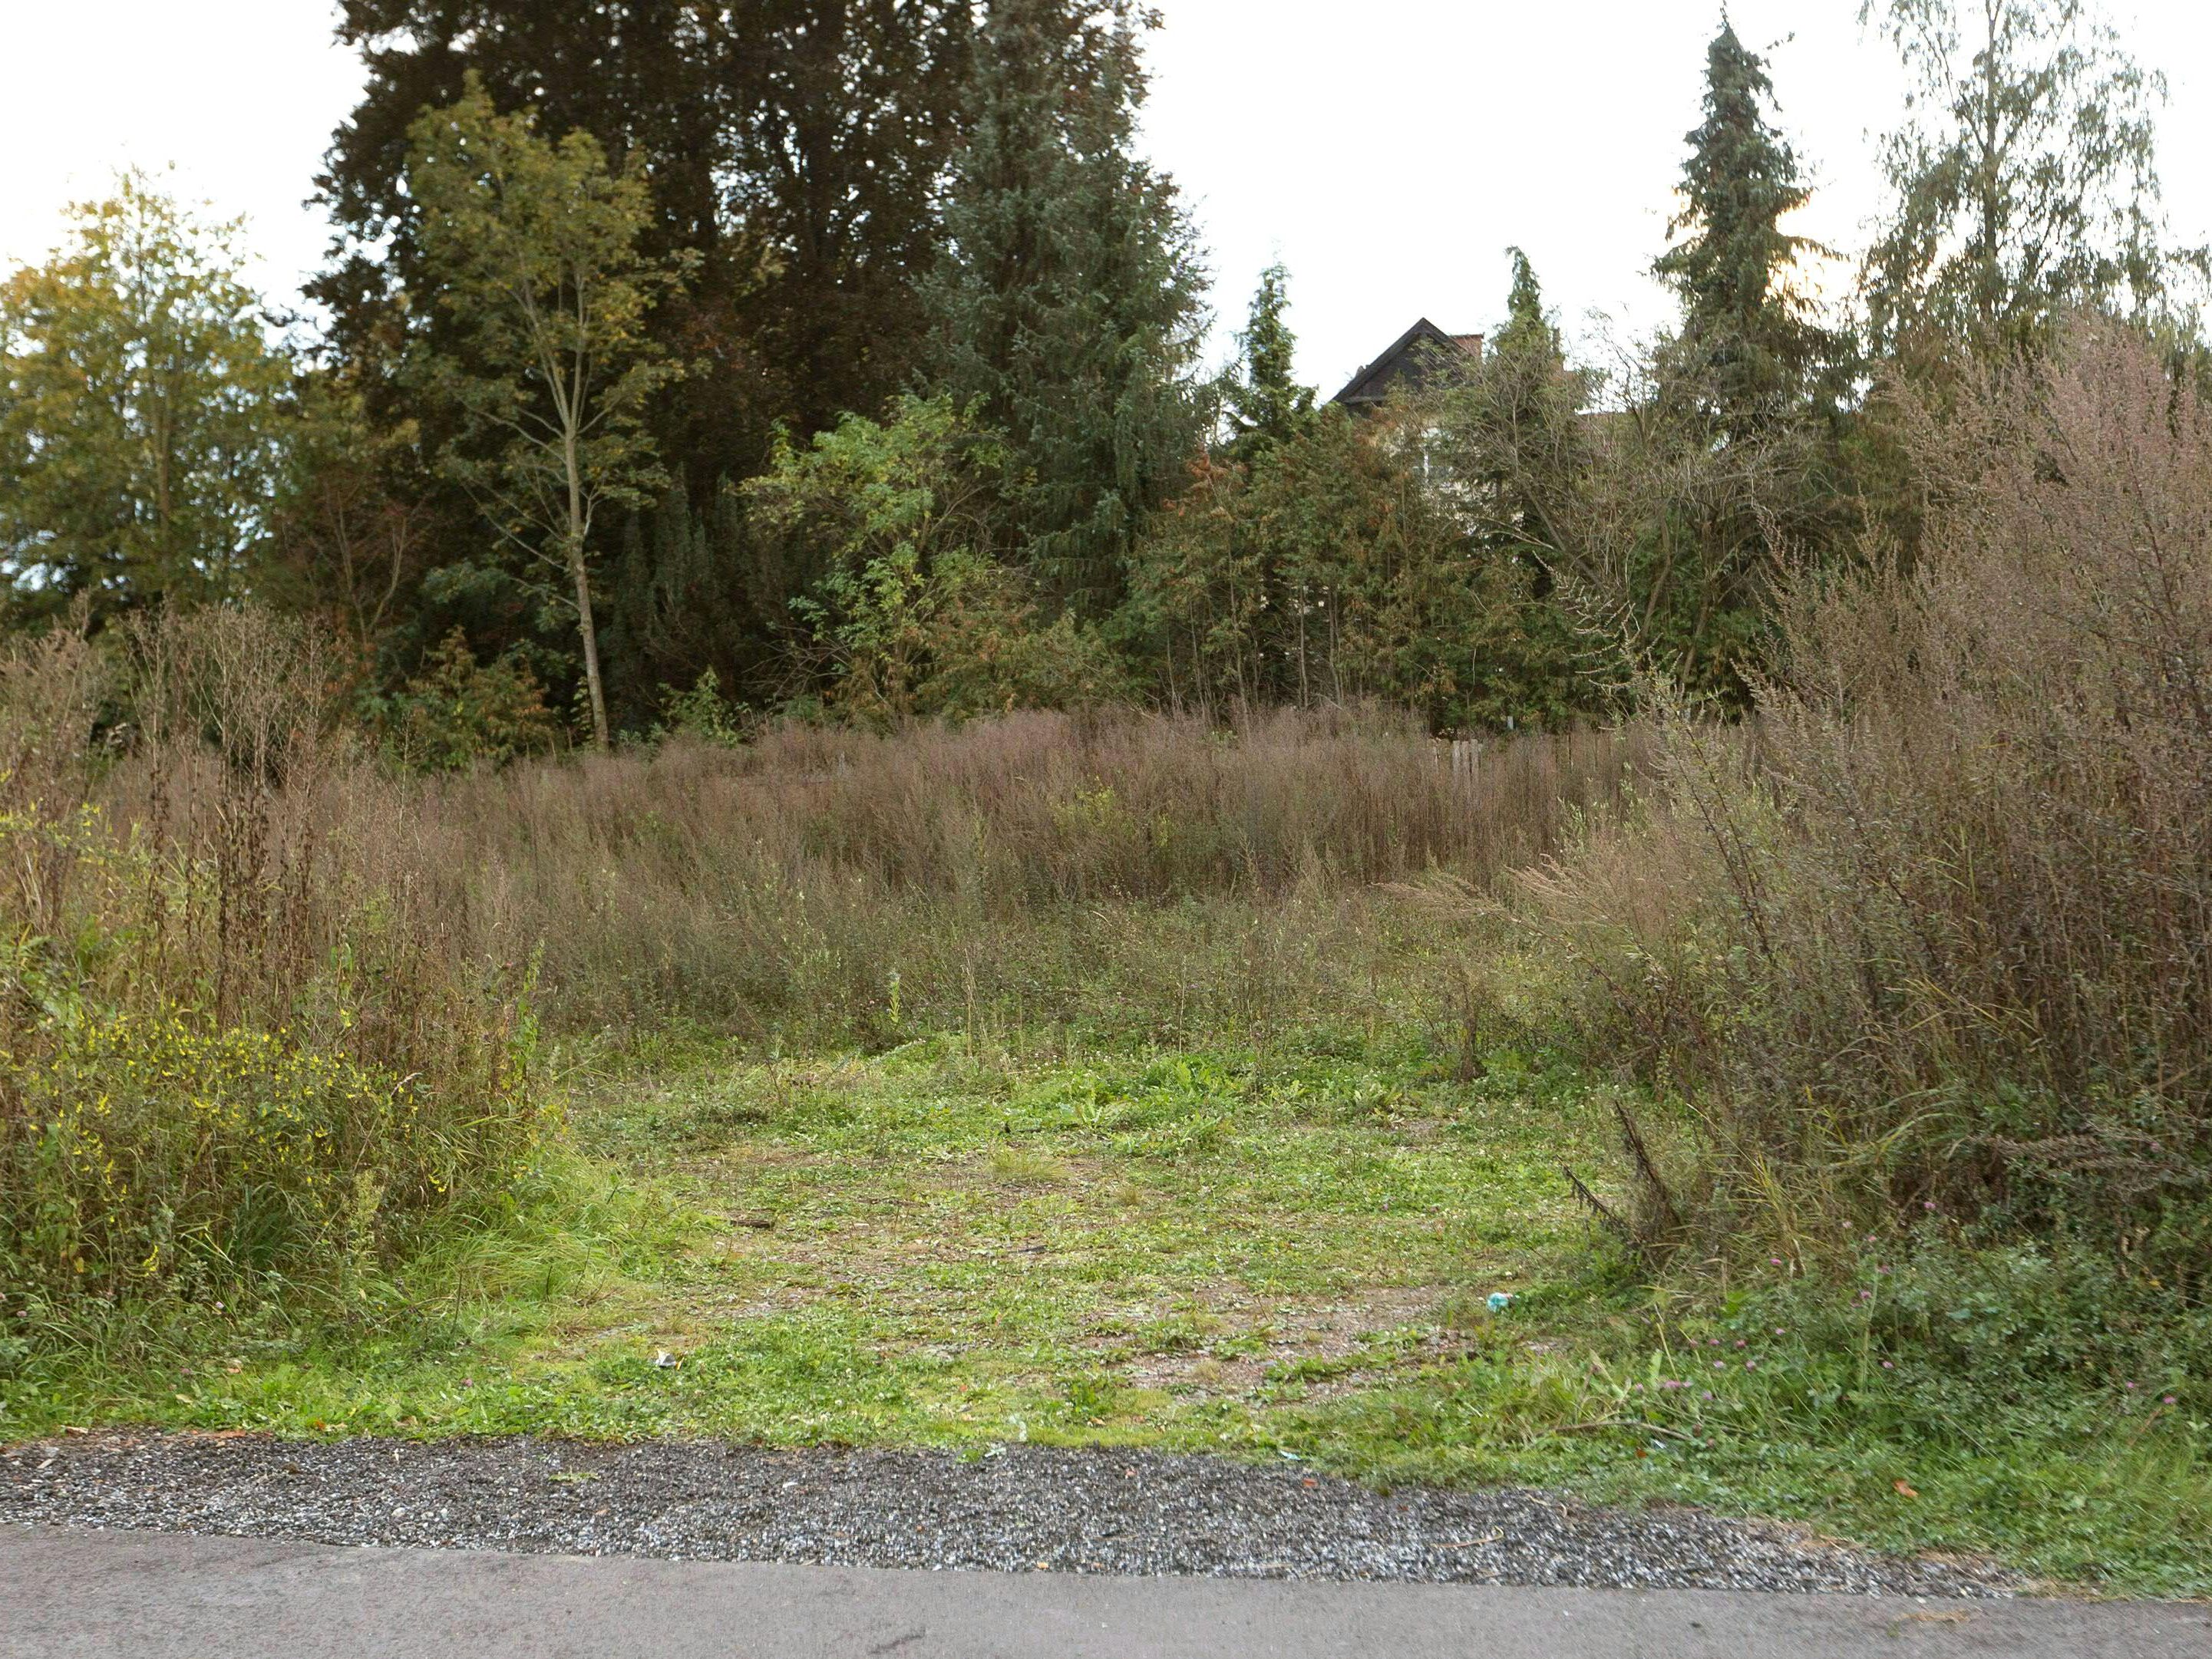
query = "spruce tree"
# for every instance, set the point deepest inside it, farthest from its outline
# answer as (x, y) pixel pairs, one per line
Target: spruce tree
(1528, 328)
(1267, 406)
(1067, 309)
(1751, 339)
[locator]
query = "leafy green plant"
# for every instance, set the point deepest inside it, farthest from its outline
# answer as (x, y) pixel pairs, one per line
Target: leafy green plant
(913, 612)
(459, 712)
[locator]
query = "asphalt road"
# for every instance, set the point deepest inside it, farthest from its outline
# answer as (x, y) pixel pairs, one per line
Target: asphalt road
(120, 1595)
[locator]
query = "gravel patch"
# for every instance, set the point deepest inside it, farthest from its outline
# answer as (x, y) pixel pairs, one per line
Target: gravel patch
(1016, 1510)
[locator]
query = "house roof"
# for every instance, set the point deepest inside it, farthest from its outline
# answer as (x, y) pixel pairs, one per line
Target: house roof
(1405, 358)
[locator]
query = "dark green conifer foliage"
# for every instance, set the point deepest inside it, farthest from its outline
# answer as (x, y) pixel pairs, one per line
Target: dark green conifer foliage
(1267, 406)
(1068, 309)
(1745, 334)
(679, 605)
(1528, 328)
(1520, 416)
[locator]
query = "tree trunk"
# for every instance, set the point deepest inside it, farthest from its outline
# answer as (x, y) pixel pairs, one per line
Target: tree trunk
(590, 636)
(587, 631)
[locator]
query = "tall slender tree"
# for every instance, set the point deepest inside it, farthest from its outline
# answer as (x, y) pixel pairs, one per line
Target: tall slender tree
(1750, 335)
(1068, 307)
(534, 248)
(1529, 325)
(1266, 405)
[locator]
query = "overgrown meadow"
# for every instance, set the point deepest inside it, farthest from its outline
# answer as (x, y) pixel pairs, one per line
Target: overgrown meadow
(746, 800)
(1823, 1094)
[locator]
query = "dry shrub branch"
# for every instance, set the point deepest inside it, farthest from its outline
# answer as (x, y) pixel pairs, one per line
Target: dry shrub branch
(1944, 941)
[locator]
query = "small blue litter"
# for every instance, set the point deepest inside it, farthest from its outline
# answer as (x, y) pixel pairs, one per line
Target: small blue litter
(1500, 1300)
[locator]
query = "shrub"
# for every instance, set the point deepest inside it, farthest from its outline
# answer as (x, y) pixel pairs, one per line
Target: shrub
(457, 711)
(150, 1151)
(1934, 932)
(236, 1035)
(912, 611)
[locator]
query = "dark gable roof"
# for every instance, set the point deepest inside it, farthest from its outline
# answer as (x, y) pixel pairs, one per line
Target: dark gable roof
(1405, 360)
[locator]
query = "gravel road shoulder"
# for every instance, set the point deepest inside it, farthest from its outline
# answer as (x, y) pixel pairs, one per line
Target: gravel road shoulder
(1021, 1509)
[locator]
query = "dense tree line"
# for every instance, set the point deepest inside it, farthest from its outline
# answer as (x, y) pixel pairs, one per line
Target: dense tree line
(683, 362)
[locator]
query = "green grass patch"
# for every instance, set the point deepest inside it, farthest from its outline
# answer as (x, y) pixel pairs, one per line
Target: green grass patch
(1256, 1252)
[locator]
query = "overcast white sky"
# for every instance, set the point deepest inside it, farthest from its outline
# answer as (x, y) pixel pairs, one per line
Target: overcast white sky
(1387, 150)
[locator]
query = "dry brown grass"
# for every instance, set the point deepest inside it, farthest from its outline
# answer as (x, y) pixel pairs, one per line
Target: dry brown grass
(1952, 947)
(294, 974)
(1017, 864)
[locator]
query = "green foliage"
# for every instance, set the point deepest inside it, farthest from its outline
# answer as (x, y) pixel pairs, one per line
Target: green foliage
(911, 614)
(814, 130)
(701, 714)
(688, 597)
(1407, 557)
(1266, 404)
(1528, 327)
(535, 246)
(349, 526)
(1067, 308)
(2026, 178)
(144, 413)
(1646, 535)
(1513, 434)
(1749, 331)
(458, 713)
(152, 1157)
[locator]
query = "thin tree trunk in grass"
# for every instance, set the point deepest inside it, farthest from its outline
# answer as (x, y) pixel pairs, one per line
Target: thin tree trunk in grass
(586, 632)
(590, 637)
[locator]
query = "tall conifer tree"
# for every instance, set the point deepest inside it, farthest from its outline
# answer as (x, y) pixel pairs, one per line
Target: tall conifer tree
(1069, 306)
(1752, 339)
(1528, 327)
(1266, 406)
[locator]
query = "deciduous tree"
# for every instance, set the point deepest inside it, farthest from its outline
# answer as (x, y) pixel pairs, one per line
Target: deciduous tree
(2025, 177)
(534, 245)
(144, 411)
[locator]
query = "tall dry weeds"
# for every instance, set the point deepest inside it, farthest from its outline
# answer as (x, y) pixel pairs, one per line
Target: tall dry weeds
(778, 888)
(240, 1038)
(1949, 944)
